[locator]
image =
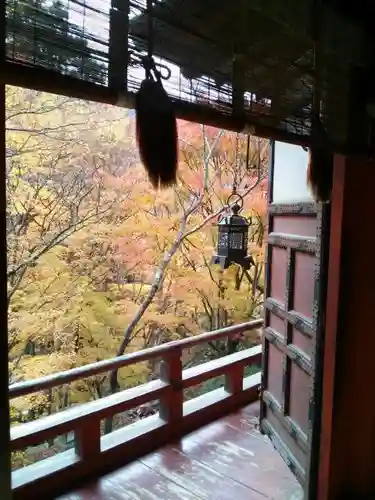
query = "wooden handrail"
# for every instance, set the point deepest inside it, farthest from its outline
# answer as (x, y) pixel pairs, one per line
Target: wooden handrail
(220, 366)
(176, 417)
(37, 431)
(56, 379)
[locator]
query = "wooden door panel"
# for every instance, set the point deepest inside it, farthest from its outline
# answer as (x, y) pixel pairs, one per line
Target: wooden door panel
(279, 259)
(303, 286)
(295, 224)
(292, 319)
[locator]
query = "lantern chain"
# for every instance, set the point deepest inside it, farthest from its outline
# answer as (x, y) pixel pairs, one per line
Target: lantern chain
(150, 29)
(148, 62)
(236, 165)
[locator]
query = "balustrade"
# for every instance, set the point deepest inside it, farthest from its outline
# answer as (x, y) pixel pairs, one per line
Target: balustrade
(95, 453)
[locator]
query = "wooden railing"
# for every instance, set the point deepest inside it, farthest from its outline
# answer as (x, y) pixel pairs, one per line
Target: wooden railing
(95, 453)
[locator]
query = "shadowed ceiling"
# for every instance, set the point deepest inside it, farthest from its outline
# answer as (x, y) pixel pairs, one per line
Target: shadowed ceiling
(248, 61)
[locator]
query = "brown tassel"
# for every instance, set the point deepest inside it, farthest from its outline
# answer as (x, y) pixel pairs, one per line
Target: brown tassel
(320, 166)
(156, 129)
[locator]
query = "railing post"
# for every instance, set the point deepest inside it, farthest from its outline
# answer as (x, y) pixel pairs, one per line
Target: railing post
(234, 379)
(87, 440)
(171, 372)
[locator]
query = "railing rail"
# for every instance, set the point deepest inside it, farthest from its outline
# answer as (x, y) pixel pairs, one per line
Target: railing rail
(175, 418)
(57, 379)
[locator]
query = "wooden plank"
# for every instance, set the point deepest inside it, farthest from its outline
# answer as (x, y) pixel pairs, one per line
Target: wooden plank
(299, 243)
(193, 475)
(228, 332)
(118, 448)
(57, 379)
(45, 80)
(346, 464)
(244, 458)
(118, 45)
(216, 367)
(87, 440)
(285, 452)
(292, 209)
(139, 481)
(5, 456)
(171, 404)
(294, 430)
(45, 471)
(33, 433)
(289, 350)
(303, 324)
(246, 420)
(234, 379)
(293, 308)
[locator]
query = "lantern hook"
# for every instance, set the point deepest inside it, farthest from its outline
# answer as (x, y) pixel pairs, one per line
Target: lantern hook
(236, 166)
(236, 205)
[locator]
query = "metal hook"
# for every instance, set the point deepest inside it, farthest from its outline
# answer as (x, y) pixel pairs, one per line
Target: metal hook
(150, 65)
(160, 70)
(238, 202)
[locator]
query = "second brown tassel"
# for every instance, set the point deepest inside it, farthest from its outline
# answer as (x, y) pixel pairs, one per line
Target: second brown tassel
(320, 166)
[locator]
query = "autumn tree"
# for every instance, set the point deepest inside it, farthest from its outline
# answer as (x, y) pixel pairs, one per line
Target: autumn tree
(67, 176)
(99, 263)
(176, 237)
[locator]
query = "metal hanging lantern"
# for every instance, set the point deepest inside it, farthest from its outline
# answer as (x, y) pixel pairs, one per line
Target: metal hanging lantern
(233, 233)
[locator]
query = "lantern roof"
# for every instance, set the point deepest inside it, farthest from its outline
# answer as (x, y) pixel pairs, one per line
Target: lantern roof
(233, 219)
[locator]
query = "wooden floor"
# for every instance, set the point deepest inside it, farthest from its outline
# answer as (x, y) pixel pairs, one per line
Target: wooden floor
(228, 459)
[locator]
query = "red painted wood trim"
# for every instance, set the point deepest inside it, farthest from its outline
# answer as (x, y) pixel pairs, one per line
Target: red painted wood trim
(57, 379)
(331, 326)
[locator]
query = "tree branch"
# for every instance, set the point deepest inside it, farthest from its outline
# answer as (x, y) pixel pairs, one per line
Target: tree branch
(160, 272)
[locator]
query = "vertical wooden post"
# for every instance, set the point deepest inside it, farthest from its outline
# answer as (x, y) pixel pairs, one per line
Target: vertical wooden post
(5, 453)
(238, 92)
(347, 442)
(239, 54)
(234, 380)
(87, 440)
(171, 371)
(118, 45)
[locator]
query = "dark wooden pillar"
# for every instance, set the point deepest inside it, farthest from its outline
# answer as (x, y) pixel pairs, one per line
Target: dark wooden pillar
(5, 482)
(347, 451)
(5, 471)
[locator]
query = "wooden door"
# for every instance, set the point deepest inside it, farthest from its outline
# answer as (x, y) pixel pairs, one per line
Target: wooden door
(293, 334)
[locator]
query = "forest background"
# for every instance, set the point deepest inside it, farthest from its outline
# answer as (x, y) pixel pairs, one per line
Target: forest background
(94, 250)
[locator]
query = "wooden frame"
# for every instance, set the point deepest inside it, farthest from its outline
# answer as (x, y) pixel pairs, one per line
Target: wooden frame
(118, 45)
(346, 461)
(5, 456)
(48, 81)
(94, 454)
(296, 230)
(5, 469)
